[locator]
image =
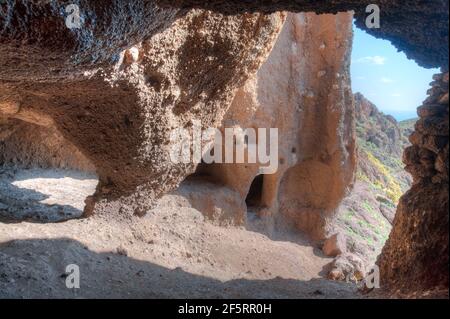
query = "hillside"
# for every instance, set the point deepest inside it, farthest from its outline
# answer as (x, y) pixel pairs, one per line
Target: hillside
(381, 141)
(365, 216)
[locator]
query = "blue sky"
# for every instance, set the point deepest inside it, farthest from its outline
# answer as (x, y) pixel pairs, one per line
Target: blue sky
(396, 85)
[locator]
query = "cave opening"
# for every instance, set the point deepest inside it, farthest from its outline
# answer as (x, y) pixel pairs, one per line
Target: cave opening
(254, 199)
(203, 173)
(43, 177)
(388, 88)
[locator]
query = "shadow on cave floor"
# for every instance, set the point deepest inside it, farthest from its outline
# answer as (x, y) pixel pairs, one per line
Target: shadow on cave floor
(43, 195)
(278, 230)
(259, 219)
(36, 269)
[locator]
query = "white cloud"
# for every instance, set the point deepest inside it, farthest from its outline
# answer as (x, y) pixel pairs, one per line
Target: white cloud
(386, 80)
(377, 60)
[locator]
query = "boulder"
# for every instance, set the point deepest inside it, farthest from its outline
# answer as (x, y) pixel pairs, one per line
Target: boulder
(335, 245)
(347, 267)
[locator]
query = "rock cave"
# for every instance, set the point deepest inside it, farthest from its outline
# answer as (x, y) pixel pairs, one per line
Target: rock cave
(100, 101)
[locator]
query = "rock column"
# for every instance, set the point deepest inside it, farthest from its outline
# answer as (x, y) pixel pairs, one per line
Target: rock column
(415, 258)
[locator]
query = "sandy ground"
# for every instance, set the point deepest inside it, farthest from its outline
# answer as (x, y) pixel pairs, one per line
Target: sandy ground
(170, 253)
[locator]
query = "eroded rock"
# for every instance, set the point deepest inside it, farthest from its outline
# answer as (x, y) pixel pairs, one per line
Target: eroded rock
(402, 24)
(347, 267)
(415, 258)
(316, 149)
(113, 88)
(335, 245)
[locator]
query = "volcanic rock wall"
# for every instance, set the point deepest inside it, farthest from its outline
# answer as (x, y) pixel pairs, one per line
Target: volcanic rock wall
(120, 115)
(302, 90)
(37, 44)
(418, 28)
(415, 258)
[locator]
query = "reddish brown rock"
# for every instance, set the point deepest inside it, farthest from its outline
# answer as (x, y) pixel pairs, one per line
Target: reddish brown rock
(432, 110)
(119, 115)
(415, 258)
(442, 161)
(314, 119)
(113, 88)
(436, 126)
(335, 245)
(403, 25)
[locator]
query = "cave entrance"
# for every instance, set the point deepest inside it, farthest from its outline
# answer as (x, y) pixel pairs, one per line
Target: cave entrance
(254, 199)
(204, 173)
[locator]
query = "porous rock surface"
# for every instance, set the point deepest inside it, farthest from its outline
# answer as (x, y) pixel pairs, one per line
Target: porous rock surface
(50, 49)
(36, 43)
(27, 145)
(303, 90)
(415, 258)
(420, 29)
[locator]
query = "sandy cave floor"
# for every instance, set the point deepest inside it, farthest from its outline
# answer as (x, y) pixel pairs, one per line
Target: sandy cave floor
(171, 253)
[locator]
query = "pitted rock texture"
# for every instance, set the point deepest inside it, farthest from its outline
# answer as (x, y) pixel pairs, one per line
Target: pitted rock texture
(51, 50)
(37, 44)
(135, 70)
(418, 28)
(415, 258)
(303, 90)
(120, 117)
(27, 145)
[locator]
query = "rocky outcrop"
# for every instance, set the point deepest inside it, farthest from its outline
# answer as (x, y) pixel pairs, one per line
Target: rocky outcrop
(377, 128)
(115, 87)
(120, 115)
(415, 258)
(335, 245)
(26, 145)
(51, 50)
(37, 43)
(303, 90)
(365, 216)
(347, 267)
(381, 141)
(419, 29)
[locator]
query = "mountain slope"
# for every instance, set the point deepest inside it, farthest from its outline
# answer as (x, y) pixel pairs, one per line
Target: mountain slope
(365, 217)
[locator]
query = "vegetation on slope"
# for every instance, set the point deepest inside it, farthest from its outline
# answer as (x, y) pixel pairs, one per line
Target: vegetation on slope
(366, 214)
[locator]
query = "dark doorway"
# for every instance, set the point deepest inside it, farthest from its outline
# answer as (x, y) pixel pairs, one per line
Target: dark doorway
(254, 197)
